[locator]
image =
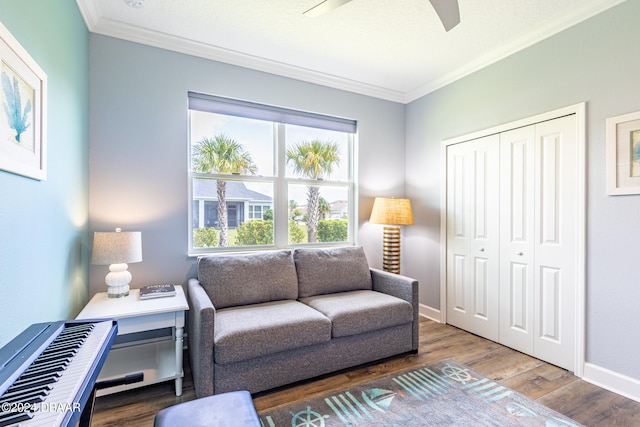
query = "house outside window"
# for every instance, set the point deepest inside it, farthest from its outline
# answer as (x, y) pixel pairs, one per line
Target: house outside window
(258, 211)
(263, 176)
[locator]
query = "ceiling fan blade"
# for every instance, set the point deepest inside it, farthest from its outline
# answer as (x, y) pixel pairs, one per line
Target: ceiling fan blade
(324, 7)
(448, 11)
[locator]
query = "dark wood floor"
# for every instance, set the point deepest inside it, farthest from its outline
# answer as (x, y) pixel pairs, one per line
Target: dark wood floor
(548, 384)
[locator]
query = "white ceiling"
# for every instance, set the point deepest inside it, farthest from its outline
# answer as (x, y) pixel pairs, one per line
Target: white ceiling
(390, 49)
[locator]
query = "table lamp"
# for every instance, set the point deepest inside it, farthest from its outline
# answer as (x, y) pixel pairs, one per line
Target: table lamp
(392, 212)
(116, 249)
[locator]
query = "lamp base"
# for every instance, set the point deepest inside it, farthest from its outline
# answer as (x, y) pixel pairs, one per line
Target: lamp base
(118, 280)
(391, 249)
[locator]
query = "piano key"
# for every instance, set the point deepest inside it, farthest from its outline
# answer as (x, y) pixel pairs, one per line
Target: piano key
(14, 417)
(55, 357)
(75, 328)
(75, 333)
(32, 384)
(65, 344)
(26, 396)
(61, 352)
(47, 376)
(17, 395)
(30, 373)
(39, 373)
(44, 362)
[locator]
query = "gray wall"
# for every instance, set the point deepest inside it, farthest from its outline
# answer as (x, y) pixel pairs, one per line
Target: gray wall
(597, 62)
(43, 224)
(138, 146)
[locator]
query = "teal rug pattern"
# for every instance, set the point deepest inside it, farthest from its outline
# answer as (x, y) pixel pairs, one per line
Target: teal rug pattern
(445, 393)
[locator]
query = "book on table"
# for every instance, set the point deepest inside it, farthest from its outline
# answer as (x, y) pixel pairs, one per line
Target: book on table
(157, 291)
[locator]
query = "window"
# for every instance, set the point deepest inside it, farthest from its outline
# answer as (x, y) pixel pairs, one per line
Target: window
(263, 176)
(258, 211)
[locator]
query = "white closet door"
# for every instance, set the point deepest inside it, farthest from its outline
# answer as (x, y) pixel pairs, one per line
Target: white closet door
(556, 246)
(538, 199)
(517, 238)
(472, 236)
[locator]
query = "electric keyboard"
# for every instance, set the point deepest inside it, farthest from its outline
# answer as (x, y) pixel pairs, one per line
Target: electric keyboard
(48, 372)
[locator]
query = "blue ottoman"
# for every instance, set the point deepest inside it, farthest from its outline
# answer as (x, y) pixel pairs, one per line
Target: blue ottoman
(233, 409)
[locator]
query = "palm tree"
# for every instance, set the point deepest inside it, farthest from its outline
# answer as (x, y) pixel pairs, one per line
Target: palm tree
(324, 207)
(222, 154)
(313, 159)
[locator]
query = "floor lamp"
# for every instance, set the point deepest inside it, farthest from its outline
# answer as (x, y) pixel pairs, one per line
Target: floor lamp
(392, 212)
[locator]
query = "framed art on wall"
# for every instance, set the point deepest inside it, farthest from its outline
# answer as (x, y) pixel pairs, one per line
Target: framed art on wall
(23, 115)
(623, 154)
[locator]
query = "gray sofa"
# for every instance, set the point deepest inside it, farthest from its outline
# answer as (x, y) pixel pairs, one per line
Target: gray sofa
(263, 320)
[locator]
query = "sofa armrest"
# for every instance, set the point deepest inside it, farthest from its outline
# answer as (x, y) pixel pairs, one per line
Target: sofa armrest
(202, 315)
(402, 287)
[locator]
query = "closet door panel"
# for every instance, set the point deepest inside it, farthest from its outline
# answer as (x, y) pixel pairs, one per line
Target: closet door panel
(457, 235)
(472, 236)
(556, 241)
(517, 238)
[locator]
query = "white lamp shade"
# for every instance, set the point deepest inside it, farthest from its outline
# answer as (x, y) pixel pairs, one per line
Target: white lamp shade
(116, 247)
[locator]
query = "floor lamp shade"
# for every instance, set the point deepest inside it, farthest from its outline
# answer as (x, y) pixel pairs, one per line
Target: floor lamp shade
(117, 249)
(392, 212)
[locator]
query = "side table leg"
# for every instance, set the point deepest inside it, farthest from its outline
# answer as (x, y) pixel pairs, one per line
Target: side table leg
(179, 373)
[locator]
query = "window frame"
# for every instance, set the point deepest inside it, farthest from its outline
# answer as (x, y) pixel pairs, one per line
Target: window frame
(280, 181)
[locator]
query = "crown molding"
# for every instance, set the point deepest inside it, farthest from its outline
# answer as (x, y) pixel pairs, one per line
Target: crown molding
(147, 37)
(90, 11)
(552, 28)
(97, 24)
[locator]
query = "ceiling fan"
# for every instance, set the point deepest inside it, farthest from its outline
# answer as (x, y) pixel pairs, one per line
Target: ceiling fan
(447, 10)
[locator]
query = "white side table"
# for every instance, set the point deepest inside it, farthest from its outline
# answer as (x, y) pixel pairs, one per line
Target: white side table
(160, 359)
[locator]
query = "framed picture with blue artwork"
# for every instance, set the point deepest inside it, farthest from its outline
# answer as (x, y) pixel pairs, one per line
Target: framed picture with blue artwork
(623, 154)
(23, 111)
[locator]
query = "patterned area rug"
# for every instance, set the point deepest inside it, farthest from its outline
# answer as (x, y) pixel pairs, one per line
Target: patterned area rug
(445, 393)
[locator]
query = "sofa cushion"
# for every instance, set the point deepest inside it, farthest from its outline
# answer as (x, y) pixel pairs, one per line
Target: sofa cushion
(254, 278)
(357, 312)
(326, 271)
(256, 330)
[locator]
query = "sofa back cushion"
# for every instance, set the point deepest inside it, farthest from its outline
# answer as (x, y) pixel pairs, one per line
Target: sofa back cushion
(241, 279)
(325, 271)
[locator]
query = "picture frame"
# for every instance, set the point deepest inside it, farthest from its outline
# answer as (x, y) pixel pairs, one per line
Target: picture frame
(623, 154)
(23, 110)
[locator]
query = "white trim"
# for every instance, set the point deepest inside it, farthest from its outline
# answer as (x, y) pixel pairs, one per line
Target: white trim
(581, 236)
(620, 384)
(91, 12)
(443, 231)
(430, 313)
(147, 37)
(580, 112)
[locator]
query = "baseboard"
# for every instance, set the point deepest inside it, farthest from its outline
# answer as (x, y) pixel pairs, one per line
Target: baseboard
(430, 313)
(609, 380)
(612, 381)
